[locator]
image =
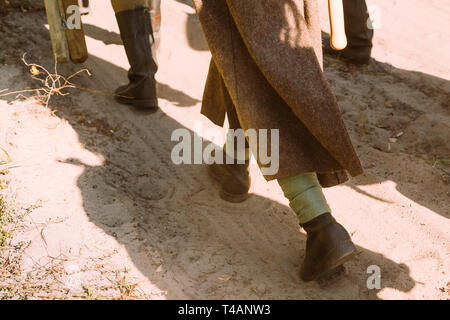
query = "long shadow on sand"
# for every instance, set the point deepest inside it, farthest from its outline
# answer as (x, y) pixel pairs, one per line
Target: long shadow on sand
(173, 224)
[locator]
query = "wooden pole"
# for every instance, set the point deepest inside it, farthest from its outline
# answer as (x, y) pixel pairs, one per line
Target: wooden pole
(338, 39)
(57, 33)
(75, 37)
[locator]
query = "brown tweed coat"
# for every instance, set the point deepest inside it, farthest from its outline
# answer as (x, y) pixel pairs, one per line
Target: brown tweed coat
(267, 62)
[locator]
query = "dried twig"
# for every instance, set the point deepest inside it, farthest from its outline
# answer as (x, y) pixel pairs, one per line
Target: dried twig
(53, 83)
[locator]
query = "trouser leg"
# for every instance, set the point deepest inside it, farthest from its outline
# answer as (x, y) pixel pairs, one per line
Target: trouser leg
(358, 28)
(124, 5)
(155, 13)
(238, 134)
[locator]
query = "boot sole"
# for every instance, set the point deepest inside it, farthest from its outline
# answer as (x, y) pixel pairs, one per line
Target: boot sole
(234, 198)
(139, 104)
(328, 275)
(331, 277)
(344, 253)
(335, 274)
(350, 60)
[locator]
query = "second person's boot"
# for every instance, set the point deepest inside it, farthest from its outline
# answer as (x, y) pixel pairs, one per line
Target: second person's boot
(137, 36)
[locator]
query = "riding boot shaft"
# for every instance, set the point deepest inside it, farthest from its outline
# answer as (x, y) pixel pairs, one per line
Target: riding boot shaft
(137, 36)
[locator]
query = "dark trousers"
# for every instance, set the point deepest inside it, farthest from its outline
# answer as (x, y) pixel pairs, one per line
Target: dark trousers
(357, 24)
(153, 5)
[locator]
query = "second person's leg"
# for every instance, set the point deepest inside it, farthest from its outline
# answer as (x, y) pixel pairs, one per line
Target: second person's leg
(328, 244)
(234, 177)
(359, 34)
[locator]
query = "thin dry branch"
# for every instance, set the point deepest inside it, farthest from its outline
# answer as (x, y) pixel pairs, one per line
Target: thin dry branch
(52, 83)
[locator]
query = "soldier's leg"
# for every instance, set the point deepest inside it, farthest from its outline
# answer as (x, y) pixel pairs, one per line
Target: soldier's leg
(359, 29)
(233, 171)
(328, 243)
(133, 18)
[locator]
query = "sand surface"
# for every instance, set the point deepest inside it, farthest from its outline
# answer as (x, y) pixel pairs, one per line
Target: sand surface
(108, 215)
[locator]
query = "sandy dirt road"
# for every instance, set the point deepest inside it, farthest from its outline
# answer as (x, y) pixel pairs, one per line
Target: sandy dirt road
(112, 217)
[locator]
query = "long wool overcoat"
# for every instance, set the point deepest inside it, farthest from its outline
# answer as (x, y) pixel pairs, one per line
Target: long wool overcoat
(267, 64)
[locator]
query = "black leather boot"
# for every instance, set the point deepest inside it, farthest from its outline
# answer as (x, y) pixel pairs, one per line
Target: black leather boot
(328, 246)
(234, 179)
(359, 35)
(137, 36)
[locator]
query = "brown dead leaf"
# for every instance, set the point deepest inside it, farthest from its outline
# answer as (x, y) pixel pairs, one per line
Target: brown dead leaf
(34, 70)
(81, 120)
